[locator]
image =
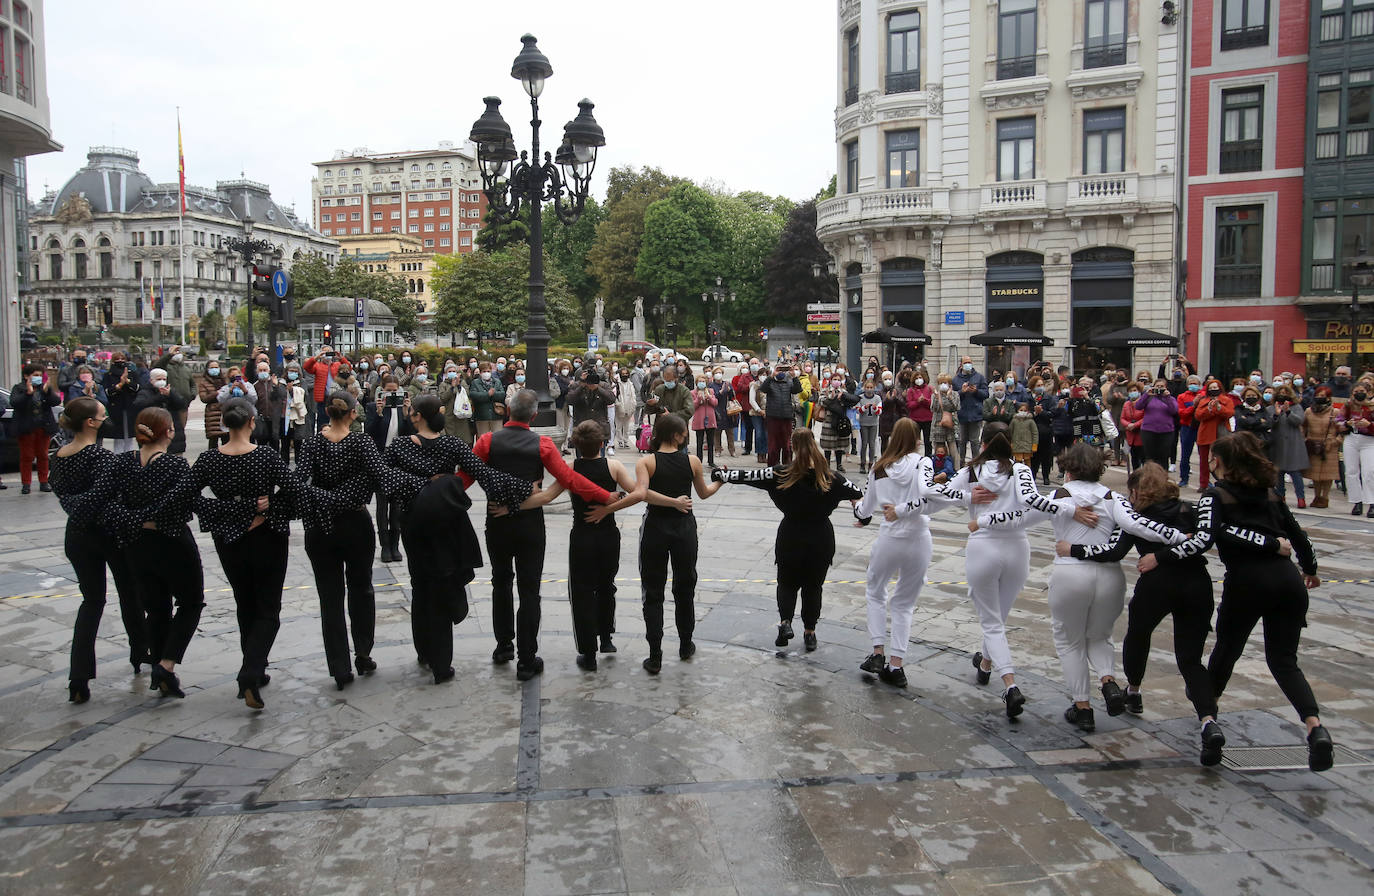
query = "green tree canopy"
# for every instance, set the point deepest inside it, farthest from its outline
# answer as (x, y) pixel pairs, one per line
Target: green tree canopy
(614, 254)
(497, 235)
(312, 277)
(681, 252)
(790, 278)
(488, 292)
(567, 247)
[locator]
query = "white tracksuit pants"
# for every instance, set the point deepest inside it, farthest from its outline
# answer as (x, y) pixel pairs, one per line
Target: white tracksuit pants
(906, 557)
(1358, 452)
(1085, 600)
(996, 568)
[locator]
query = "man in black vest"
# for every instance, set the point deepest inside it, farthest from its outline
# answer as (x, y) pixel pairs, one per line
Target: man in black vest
(515, 543)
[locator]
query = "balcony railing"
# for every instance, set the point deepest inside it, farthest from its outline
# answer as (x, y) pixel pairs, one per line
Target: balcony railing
(1356, 143)
(883, 206)
(1103, 56)
(1015, 67)
(1242, 155)
(1013, 194)
(1237, 280)
(1240, 38)
(851, 95)
(902, 82)
(1323, 276)
(1328, 145)
(1103, 189)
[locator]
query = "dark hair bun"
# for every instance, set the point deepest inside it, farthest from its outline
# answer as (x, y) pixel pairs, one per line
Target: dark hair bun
(237, 413)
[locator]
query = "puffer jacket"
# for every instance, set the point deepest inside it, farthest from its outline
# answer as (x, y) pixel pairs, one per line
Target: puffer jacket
(208, 388)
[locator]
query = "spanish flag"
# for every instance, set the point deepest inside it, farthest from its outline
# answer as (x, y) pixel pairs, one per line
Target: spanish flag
(152, 298)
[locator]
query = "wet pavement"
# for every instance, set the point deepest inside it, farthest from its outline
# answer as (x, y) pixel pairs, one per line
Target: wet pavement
(747, 769)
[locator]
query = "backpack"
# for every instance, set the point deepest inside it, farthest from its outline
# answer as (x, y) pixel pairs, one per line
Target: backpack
(646, 432)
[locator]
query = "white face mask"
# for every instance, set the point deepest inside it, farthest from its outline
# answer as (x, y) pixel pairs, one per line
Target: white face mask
(178, 356)
(944, 387)
(920, 382)
(486, 374)
(159, 384)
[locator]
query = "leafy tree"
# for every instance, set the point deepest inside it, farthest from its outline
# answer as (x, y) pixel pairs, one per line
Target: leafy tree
(752, 223)
(488, 292)
(497, 235)
(829, 191)
(567, 246)
(614, 254)
(791, 282)
(680, 255)
(211, 327)
(312, 277)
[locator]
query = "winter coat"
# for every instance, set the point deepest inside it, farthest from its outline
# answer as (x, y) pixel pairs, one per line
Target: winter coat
(484, 394)
(1025, 435)
(78, 390)
(1213, 421)
(586, 402)
(1320, 426)
(33, 412)
(704, 403)
(1259, 421)
(173, 403)
(970, 403)
(919, 403)
(1131, 419)
(1160, 413)
(779, 396)
(208, 387)
(1287, 450)
(181, 380)
(120, 410)
(995, 411)
(945, 402)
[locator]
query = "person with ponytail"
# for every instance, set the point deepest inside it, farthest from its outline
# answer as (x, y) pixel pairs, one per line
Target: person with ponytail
(807, 492)
(442, 551)
(997, 561)
(249, 518)
(901, 478)
(152, 507)
(341, 470)
(1256, 536)
(83, 477)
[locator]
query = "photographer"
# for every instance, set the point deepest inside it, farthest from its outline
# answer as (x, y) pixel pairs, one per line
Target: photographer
(589, 398)
(1160, 422)
(121, 385)
(389, 421)
(33, 425)
(323, 367)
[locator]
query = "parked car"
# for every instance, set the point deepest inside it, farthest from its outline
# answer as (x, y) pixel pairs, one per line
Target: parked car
(720, 353)
(636, 345)
(823, 355)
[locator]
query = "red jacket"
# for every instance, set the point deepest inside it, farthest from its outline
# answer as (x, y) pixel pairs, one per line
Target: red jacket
(741, 385)
(1187, 401)
(1211, 423)
(918, 403)
(553, 461)
(320, 380)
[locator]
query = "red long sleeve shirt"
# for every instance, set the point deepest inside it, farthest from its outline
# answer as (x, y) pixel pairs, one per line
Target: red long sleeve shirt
(553, 462)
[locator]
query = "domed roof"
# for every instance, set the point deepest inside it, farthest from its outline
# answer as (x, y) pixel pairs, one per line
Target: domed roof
(339, 311)
(111, 182)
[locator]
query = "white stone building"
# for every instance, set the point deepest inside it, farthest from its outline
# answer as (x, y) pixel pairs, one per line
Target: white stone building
(1005, 162)
(95, 246)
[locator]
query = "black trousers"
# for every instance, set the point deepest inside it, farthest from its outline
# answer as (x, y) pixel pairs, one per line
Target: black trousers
(167, 569)
(1272, 591)
(707, 438)
(255, 566)
(515, 547)
(90, 551)
(1061, 444)
(437, 604)
(1158, 446)
(665, 540)
(1043, 459)
(593, 562)
(342, 561)
(1185, 594)
(389, 520)
(802, 567)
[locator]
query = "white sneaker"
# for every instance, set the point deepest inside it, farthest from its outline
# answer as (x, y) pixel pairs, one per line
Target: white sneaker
(1173, 468)
(610, 452)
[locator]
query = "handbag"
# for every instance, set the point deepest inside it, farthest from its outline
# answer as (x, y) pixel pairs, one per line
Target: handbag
(1109, 430)
(733, 407)
(1316, 448)
(947, 420)
(462, 406)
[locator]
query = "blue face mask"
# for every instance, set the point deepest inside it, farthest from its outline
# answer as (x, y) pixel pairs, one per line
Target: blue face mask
(293, 376)
(519, 377)
(1133, 395)
(36, 379)
(500, 367)
(1268, 396)
(1194, 387)
(212, 371)
(672, 385)
(263, 374)
(451, 375)
(363, 366)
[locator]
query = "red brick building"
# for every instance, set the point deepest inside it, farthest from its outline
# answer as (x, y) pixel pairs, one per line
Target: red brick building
(1243, 185)
(433, 195)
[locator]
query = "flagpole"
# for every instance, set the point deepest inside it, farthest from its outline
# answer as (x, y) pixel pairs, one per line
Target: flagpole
(181, 228)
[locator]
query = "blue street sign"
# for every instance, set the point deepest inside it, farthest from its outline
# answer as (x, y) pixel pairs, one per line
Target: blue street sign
(360, 313)
(954, 318)
(593, 341)
(281, 284)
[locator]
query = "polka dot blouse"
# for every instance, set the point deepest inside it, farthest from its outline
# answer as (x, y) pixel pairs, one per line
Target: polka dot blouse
(237, 481)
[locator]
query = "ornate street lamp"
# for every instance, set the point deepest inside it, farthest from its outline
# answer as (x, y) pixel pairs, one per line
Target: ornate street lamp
(562, 178)
(1360, 270)
(246, 248)
(719, 295)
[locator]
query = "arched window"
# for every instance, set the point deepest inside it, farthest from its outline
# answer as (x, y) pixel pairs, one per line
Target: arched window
(410, 285)
(343, 172)
(357, 172)
(53, 243)
(448, 165)
(200, 307)
(219, 306)
(78, 243)
(429, 167)
(419, 286)
(415, 169)
(176, 307)
(328, 175)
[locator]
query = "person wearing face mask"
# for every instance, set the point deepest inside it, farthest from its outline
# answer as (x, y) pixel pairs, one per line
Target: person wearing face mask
(32, 424)
(160, 394)
(1188, 401)
(740, 386)
(84, 384)
(944, 415)
(486, 393)
(420, 382)
(294, 428)
(121, 386)
(725, 421)
(322, 369)
(1286, 448)
(626, 401)
(1212, 414)
(1254, 413)
(559, 386)
(870, 410)
(778, 392)
(671, 396)
(758, 410)
(1322, 442)
(999, 408)
(704, 404)
(591, 398)
(920, 405)
(834, 402)
(971, 387)
(453, 398)
(67, 372)
(1131, 418)
(1355, 420)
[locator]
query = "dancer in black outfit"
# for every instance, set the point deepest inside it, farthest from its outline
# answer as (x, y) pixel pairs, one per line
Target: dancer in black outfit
(807, 493)
(83, 477)
(669, 535)
(341, 469)
(1181, 588)
(249, 517)
(153, 506)
(441, 546)
(1261, 583)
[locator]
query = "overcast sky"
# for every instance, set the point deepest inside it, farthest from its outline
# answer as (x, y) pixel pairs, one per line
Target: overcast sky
(741, 92)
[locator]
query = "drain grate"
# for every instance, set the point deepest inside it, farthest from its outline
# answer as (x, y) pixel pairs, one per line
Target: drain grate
(1254, 759)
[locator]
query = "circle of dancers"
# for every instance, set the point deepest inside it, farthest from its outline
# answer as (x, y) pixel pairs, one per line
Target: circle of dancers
(132, 513)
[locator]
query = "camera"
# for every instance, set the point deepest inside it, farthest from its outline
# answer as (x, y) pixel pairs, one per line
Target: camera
(395, 399)
(593, 379)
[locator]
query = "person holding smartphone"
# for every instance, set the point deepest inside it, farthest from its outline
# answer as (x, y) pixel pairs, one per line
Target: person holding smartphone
(324, 367)
(121, 386)
(32, 400)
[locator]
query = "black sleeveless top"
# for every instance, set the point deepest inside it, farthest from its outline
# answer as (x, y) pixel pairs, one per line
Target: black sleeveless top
(672, 478)
(597, 470)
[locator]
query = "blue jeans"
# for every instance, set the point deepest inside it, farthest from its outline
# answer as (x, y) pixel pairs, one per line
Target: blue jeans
(1187, 438)
(760, 434)
(1296, 476)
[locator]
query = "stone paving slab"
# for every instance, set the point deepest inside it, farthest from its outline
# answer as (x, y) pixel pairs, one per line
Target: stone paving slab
(748, 769)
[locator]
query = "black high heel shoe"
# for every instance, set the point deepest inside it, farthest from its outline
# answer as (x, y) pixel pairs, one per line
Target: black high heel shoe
(344, 680)
(166, 682)
(78, 692)
(366, 665)
(250, 695)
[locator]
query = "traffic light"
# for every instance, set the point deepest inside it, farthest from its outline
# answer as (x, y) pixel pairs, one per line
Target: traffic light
(269, 279)
(262, 286)
(328, 338)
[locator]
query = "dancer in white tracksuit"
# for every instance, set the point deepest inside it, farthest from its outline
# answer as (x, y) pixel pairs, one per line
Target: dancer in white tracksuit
(900, 478)
(1086, 598)
(997, 561)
